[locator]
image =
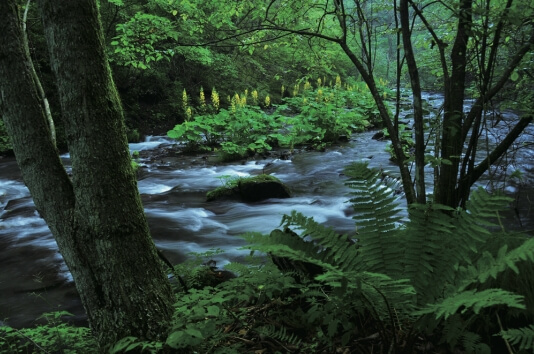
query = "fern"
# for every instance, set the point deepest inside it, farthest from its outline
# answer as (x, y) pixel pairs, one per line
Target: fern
(472, 225)
(434, 268)
(472, 300)
(472, 343)
(376, 220)
(281, 334)
(427, 240)
(332, 248)
(524, 337)
(439, 240)
(489, 266)
(328, 250)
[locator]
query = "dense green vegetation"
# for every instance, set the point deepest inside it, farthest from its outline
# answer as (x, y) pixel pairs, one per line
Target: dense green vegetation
(315, 117)
(245, 77)
(323, 292)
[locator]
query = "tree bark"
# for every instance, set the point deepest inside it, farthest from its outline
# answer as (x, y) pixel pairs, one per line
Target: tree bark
(38, 85)
(451, 146)
(96, 218)
(417, 103)
(406, 180)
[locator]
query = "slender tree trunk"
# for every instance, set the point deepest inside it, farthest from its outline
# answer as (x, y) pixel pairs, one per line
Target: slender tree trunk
(37, 82)
(451, 141)
(97, 217)
(417, 103)
(386, 119)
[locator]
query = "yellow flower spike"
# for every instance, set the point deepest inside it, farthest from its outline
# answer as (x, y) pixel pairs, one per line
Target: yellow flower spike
(319, 82)
(188, 113)
(296, 90)
(203, 106)
(243, 101)
(319, 95)
(267, 101)
(338, 81)
(184, 101)
(283, 90)
(246, 92)
(235, 101)
(304, 100)
(307, 86)
(215, 101)
(255, 97)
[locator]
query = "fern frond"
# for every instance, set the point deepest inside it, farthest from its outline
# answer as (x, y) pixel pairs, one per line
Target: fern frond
(440, 240)
(524, 337)
(427, 239)
(280, 334)
(285, 245)
(472, 300)
(471, 343)
(486, 205)
(330, 247)
(377, 219)
(452, 330)
(472, 224)
(488, 266)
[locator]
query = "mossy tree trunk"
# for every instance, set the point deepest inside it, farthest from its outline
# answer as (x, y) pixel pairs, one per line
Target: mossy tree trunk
(96, 217)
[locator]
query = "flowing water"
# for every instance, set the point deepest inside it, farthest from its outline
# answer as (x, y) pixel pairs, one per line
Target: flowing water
(34, 278)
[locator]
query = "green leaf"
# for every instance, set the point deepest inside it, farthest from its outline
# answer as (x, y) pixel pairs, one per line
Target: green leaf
(213, 311)
(193, 332)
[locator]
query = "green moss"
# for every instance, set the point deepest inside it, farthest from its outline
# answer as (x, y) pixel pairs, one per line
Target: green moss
(232, 186)
(219, 193)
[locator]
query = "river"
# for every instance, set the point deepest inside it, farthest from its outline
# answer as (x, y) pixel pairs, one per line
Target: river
(34, 279)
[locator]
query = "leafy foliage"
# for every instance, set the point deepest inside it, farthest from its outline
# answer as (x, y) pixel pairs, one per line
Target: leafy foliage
(377, 219)
(54, 336)
(317, 117)
(436, 267)
(523, 337)
(140, 39)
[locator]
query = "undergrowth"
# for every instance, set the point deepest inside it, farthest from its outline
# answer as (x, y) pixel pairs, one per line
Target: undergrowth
(56, 336)
(442, 280)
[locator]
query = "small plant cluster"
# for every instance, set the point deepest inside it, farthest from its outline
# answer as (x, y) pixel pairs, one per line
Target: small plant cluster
(56, 336)
(313, 117)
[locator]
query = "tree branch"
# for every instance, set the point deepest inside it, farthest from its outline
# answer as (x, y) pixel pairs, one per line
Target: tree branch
(499, 150)
(482, 100)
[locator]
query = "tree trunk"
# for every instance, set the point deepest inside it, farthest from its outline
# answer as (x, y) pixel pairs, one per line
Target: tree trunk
(96, 218)
(452, 143)
(386, 119)
(417, 103)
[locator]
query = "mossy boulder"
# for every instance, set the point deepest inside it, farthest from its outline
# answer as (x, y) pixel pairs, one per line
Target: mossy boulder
(250, 189)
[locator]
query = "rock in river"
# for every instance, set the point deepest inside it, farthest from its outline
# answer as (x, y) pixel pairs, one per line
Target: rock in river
(251, 189)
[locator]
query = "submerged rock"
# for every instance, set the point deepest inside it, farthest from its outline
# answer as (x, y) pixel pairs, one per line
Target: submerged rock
(251, 189)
